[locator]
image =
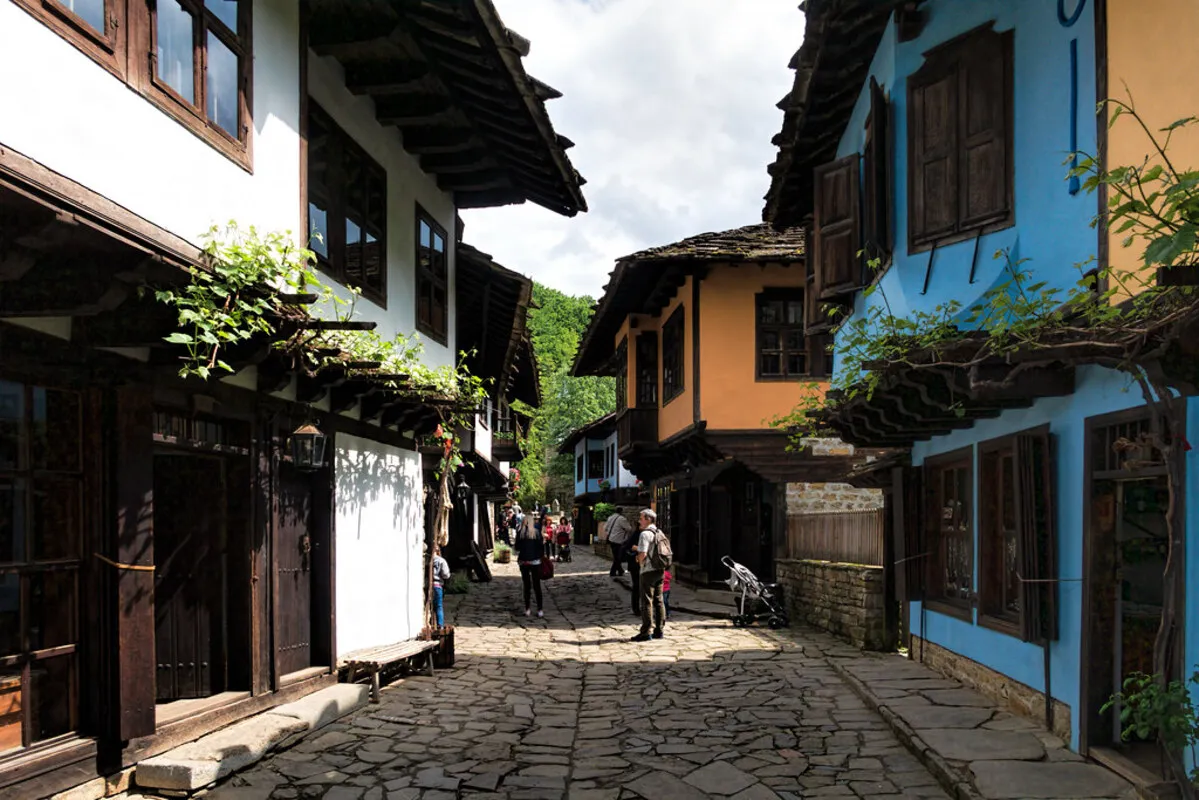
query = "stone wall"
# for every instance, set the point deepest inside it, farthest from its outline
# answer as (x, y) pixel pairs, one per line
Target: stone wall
(843, 599)
(1008, 693)
(819, 498)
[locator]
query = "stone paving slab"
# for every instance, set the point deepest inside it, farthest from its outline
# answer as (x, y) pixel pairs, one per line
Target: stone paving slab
(968, 743)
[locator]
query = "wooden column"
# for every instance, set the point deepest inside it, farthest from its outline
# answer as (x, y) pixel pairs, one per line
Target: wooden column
(132, 471)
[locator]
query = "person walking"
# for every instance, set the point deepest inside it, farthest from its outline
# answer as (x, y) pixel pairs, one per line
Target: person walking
(529, 552)
(619, 534)
(547, 533)
(441, 576)
(653, 556)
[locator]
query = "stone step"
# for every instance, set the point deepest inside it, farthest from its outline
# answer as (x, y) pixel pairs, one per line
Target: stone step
(208, 759)
(720, 597)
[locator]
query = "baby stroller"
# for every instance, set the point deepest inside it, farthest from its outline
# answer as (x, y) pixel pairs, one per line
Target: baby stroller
(757, 600)
(563, 545)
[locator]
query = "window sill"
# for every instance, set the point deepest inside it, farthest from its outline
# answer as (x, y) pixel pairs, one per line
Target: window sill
(964, 613)
(239, 153)
(42, 757)
(915, 248)
(999, 625)
(440, 338)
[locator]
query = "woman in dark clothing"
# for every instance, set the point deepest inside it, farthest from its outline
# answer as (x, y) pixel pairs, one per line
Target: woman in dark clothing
(529, 552)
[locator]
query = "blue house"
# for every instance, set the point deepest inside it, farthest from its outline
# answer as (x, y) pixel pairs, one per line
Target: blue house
(927, 138)
(599, 474)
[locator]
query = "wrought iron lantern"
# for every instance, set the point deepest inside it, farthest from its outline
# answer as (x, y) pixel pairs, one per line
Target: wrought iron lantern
(308, 447)
(462, 489)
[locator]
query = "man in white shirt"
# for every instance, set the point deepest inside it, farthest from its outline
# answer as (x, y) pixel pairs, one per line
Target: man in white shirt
(619, 534)
(653, 607)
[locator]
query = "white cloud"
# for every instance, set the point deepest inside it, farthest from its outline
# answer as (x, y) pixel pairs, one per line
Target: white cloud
(671, 105)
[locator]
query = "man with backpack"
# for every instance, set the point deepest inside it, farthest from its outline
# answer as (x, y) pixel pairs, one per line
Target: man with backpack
(654, 556)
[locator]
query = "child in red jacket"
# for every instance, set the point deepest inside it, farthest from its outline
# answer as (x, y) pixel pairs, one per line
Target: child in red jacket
(666, 591)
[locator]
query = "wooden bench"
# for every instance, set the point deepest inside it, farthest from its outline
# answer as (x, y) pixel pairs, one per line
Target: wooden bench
(372, 660)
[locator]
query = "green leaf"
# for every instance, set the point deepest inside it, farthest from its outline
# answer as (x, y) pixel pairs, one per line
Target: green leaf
(178, 337)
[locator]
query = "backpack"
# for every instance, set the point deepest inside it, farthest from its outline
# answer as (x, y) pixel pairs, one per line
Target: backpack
(660, 555)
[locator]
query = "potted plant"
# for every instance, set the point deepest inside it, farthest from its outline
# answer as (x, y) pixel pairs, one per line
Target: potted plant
(502, 554)
(605, 485)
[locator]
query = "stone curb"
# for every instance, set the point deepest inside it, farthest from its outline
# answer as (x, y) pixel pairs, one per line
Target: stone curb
(952, 779)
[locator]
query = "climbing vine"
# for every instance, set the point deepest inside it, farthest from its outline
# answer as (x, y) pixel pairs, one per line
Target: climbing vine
(1130, 321)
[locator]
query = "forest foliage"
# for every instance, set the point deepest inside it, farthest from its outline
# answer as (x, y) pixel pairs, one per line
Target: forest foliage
(556, 324)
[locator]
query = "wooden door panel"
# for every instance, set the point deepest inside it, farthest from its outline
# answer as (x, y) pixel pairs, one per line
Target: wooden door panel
(293, 574)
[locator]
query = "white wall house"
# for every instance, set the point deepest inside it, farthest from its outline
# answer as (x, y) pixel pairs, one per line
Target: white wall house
(129, 128)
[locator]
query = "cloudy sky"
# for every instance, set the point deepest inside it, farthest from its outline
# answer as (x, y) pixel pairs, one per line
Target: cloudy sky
(671, 105)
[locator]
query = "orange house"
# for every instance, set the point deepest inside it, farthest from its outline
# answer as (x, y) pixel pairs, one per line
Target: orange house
(707, 340)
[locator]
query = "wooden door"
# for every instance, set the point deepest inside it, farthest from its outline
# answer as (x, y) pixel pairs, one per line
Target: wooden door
(293, 571)
(720, 516)
(189, 561)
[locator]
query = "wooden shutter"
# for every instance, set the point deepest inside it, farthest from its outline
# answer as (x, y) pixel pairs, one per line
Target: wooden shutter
(985, 92)
(836, 228)
(915, 543)
(876, 229)
(932, 156)
(1037, 542)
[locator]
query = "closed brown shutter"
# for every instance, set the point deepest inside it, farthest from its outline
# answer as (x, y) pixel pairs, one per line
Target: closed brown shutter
(984, 111)
(1037, 556)
(836, 228)
(915, 543)
(932, 143)
(876, 229)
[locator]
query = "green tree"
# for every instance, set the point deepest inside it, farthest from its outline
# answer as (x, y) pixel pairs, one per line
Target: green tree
(556, 323)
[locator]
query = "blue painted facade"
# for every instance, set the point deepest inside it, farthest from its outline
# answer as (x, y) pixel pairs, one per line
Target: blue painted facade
(617, 476)
(1054, 71)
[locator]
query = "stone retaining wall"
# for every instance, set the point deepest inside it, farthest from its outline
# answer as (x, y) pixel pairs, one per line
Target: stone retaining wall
(819, 498)
(843, 599)
(1007, 692)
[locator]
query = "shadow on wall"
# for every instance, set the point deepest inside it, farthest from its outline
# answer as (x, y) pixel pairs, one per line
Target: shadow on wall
(366, 472)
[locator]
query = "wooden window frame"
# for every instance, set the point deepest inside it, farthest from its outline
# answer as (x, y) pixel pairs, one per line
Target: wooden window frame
(423, 274)
(596, 458)
(622, 374)
(674, 355)
(31, 565)
(334, 264)
(933, 468)
(580, 469)
(107, 48)
(647, 374)
(143, 58)
(946, 61)
(786, 295)
(877, 181)
(991, 577)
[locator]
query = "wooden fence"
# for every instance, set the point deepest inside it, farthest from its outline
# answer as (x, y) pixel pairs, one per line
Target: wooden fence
(851, 537)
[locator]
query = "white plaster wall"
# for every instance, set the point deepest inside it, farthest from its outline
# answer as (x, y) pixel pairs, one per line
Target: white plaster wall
(623, 477)
(483, 437)
(379, 538)
(63, 110)
(407, 185)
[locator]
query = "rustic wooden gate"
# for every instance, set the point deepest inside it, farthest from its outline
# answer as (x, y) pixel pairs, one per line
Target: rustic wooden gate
(293, 571)
(189, 543)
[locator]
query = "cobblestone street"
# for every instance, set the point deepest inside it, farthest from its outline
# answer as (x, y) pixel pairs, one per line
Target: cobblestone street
(568, 707)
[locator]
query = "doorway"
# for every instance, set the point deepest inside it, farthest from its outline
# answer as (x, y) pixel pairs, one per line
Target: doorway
(190, 576)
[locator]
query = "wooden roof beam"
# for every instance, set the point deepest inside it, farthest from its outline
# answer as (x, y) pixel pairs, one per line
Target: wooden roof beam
(386, 78)
(412, 109)
(423, 140)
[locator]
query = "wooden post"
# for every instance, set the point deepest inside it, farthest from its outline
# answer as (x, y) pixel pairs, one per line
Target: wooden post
(132, 471)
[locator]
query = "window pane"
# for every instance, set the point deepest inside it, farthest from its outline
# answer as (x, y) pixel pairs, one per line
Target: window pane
(796, 364)
(1008, 508)
(12, 520)
(91, 12)
(770, 340)
(51, 693)
(438, 243)
(770, 313)
(55, 528)
(12, 413)
(222, 86)
(795, 340)
(225, 11)
(425, 233)
(51, 609)
(55, 430)
(771, 364)
(10, 620)
(176, 49)
(318, 223)
(1010, 570)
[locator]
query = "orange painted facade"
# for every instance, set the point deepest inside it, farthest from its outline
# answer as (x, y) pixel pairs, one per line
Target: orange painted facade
(1150, 56)
(731, 397)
